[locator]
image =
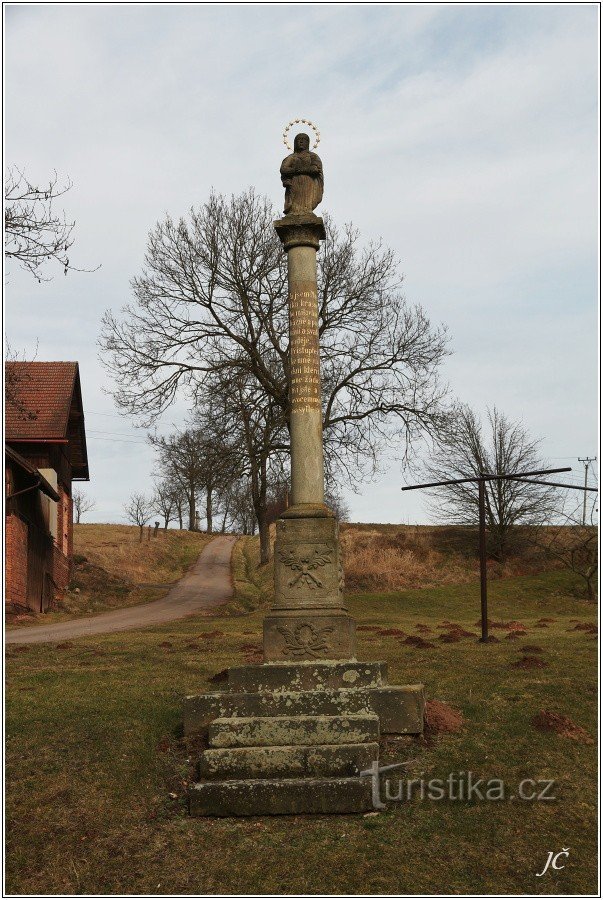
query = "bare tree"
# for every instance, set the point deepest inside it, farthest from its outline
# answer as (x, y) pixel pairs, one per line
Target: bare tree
(338, 505)
(570, 541)
(465, 449)
(33, 232)
(164, 501)
(180, 459)
(81, 504)
(16, 379)
(138, 511)
(210, 315)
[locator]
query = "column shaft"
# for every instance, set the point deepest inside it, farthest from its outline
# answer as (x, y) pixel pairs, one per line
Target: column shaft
(307, 466)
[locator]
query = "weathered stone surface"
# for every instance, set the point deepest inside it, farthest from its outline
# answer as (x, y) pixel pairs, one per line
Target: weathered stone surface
(333, 760)
(400, 708)
(268, 797)
(309, 636)
(281, 731)
(302, 177)
(306, 676)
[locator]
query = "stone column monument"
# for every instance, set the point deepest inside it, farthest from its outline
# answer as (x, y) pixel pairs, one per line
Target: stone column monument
(293, 734)
(309, 619)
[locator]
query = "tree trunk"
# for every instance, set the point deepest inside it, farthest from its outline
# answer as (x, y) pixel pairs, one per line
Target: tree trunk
(260, 512)
(191, 508)
(141, 530)
(264, 530)
(209, 510)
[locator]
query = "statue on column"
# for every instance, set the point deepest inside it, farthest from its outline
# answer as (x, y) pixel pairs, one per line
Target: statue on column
(301, 174)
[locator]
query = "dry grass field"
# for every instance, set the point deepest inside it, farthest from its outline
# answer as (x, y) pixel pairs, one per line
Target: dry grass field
(391, 557)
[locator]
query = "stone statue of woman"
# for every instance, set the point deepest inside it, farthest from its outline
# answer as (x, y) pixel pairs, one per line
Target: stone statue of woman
(301, 174)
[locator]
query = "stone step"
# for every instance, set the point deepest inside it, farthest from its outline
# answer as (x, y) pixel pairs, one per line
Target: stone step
(281, 731)
(306, 676)
(400, 707)
(286, 796)
(333, 760)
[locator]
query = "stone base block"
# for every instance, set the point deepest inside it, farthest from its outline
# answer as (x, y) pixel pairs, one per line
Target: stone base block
(281, 731)
(311, 675)
(308, 636)
(400, 709)
(288, 796)
(334, 760)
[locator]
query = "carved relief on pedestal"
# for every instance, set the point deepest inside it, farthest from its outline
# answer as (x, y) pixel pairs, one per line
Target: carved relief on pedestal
(304, 639)
(305, 563)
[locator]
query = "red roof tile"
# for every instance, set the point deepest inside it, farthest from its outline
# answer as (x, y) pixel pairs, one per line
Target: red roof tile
(43, 393)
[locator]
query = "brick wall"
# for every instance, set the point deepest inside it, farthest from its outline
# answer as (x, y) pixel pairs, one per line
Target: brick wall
(16, 561)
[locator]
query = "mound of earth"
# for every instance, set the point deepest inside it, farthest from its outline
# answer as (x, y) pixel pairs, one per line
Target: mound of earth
(504, 625)
(449, 637)
(546, 720)
(367, 628)
(441, 718)
(529, 662)
(532, 648)
(589, 627)
(419, 643)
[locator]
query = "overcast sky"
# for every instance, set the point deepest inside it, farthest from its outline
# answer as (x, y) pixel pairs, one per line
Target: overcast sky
(465, 136)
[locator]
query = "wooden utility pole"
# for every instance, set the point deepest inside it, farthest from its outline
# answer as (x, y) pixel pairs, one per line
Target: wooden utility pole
(587, 461)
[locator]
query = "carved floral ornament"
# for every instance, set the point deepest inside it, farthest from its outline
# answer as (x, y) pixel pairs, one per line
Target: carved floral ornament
(306, 640)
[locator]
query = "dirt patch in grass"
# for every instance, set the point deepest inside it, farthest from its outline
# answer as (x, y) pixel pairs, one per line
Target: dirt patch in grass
(516, 626)
(589, 627)
(419, 643)
(546, 720)
(455, 628)
(514, 635)
(440, 718)
(529, 662)
(532, 648)
(450, 637)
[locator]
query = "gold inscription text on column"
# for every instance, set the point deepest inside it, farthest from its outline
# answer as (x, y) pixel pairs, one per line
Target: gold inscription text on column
(303, 336)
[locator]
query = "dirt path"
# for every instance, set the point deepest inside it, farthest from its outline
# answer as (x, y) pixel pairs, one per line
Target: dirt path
(206, 585)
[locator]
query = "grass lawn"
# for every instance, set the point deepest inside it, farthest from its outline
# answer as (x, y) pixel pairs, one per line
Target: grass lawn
(96, 771)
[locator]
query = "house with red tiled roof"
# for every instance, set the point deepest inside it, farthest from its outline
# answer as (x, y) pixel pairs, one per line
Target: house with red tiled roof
(45, 453)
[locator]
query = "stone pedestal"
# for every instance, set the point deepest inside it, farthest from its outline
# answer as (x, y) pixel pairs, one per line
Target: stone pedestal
(290, 738)
(309, 620)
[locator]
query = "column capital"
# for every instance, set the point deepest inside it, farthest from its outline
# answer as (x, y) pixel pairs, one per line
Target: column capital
(302, 230)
